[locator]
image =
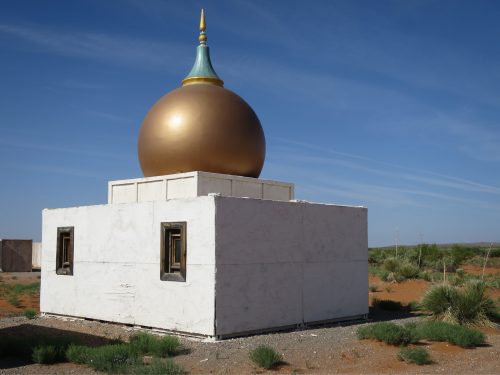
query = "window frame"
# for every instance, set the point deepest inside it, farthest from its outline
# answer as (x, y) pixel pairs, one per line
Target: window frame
(168, 270)
(62, 233)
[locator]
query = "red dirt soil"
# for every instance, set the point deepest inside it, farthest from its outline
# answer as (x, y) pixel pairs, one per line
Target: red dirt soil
(27, 301)
(404, 292)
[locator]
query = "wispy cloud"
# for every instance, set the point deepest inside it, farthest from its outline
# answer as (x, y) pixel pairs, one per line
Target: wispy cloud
(475, 140)
(388, 169)
(56, 149)
(109, 116)
(338, 174)
(53, 169)
(79, 85)
(115, 49)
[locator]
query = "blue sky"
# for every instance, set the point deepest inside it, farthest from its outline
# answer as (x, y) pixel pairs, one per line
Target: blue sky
(394, 105)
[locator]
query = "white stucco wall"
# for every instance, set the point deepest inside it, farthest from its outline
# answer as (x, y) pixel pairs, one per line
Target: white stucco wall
(116, 272)
(252, 264)
(36, 255)
(195, 184)
(284, 263)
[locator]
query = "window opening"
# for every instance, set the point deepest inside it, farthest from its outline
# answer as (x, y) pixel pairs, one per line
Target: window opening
(173, 251)
(64, 254)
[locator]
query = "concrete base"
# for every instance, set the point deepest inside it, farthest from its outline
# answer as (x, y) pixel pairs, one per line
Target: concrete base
(196, 184)
(252, 265)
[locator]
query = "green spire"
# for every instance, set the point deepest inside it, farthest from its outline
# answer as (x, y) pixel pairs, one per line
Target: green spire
(202, 71)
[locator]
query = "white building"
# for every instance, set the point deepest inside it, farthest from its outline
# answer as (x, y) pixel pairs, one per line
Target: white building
(251, 264)
(212, 254)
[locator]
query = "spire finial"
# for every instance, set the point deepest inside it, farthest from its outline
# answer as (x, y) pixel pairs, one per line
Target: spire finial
(202, 71)
(202, 38)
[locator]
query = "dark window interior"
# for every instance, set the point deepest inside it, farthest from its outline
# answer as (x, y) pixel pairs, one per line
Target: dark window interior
(65, 243)
(173, 251)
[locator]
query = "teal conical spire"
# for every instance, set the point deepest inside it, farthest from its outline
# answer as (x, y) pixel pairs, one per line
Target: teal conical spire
(202, 71)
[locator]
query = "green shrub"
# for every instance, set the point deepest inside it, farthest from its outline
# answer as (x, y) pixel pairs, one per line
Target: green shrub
(473, 305)
(388, 305)
(452, 333)
(30, 313)
(145, 343)
(13, 299)
(24, 347)
(373, 288)
(420, 356)
(389, 333)
(425, 276)
(265, 357)
(409, 271)
(411, 255)
(47, 354)
(168, 346)
(384, 275)
(78, 354)
(111, 358)
(439, 299)
(468, 306)
(430, 253)
(164, 367)
(391, 264)
(460, 254)
(459, 278)
(19, 289)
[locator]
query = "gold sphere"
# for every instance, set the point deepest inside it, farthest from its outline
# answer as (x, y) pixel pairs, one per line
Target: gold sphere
(201, 127)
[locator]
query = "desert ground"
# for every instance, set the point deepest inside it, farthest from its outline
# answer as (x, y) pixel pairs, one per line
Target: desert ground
(314, 350)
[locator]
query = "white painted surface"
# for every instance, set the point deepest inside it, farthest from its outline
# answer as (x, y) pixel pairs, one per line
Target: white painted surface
(195, 184)
(124, 193)
(116, 275)
(151, 191)
(285, 263)
(252, 264)
(36, 255)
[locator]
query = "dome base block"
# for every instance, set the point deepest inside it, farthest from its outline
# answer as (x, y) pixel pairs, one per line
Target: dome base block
(196, 184)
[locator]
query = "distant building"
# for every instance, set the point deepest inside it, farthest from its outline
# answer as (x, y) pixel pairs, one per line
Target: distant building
(16, 255)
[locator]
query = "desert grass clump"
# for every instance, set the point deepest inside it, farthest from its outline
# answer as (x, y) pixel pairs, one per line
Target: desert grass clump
(14, 300)
(168, 346)
(454, 334)
(419, 356)
(409, 271)
(39, 348)
(145, 343)
(265, 357)
(47, 354)
(158, 366)
(391, 264)
(30, 313)
(390, 333)
(467, 306)
(78, 353)
(111, 358)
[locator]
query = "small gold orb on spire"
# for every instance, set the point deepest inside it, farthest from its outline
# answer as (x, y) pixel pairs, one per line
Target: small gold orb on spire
(202, 38)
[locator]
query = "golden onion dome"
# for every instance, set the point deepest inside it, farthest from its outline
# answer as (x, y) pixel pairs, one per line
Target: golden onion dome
(201, 126)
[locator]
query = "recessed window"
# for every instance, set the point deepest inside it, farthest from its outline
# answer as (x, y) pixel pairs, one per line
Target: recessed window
(64, 254)
(173, 251)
